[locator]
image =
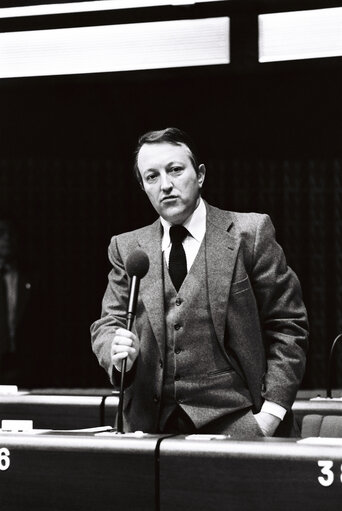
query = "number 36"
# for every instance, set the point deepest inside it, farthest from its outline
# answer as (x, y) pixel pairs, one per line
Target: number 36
(4, 458)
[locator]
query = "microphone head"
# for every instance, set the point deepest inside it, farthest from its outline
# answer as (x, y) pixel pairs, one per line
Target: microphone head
(137, 264)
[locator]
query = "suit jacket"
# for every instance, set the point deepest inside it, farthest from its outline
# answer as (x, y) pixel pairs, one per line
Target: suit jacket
(256, 306)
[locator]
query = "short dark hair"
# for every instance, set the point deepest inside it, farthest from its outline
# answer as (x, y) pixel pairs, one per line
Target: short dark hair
(173, 136)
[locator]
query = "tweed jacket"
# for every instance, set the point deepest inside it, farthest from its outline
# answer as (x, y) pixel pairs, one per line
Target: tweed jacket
(256, 307)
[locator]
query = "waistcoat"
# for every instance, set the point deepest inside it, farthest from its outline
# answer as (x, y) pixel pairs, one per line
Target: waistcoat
(197, 375)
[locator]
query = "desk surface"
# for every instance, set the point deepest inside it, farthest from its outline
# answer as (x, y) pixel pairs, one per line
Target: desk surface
(316, 406)
(59, 411)
(59, 472)
(265, 474)
(53, 412)
(63, 471)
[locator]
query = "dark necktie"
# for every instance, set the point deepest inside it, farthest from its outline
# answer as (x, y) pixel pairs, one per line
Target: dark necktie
(4, 333)
(177, 261)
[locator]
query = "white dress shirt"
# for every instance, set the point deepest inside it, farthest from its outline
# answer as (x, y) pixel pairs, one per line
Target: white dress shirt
(196, 226)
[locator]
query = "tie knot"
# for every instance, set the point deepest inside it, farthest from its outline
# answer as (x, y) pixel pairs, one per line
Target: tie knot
(178, 233)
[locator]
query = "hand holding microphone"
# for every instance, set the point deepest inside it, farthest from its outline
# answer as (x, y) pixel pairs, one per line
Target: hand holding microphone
(125, 345)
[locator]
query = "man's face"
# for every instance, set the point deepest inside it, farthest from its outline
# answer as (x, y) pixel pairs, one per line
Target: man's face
(170, 180)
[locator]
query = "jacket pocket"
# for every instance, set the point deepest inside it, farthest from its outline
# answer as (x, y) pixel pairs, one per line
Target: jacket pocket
(240, 285)
(218, 372)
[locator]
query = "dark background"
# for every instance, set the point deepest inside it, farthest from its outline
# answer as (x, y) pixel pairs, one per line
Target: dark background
(270, 136)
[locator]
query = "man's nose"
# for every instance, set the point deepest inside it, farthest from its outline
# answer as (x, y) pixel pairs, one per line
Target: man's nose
(166, 182)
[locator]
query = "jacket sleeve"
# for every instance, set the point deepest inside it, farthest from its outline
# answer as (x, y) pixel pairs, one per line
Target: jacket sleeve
(113, 314)
(282, 314)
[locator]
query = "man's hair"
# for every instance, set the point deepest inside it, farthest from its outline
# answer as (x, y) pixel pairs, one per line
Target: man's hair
(173, 136)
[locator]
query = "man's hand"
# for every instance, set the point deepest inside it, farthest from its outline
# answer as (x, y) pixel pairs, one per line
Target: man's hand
(124, 345)
(268, 423)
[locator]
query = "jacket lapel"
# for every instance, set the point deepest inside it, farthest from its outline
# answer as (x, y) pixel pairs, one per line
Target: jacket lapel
(151, 286)
(221, 252)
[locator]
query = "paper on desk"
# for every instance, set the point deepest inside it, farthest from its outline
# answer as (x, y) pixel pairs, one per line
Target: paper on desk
(11, 390)
(320, 441)
(205, 437)
(131, 434)
(326, 399)
(97, 429)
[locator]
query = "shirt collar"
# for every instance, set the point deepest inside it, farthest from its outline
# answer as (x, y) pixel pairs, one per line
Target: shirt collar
(195, 224)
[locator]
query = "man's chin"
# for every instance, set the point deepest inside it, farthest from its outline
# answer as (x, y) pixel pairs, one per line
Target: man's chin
(174, 214)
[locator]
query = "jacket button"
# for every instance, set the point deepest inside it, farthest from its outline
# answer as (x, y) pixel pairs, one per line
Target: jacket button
(156, 398)
(177, 378)
(177, 351)
(161, 364)
(178, 301)
(177, 326)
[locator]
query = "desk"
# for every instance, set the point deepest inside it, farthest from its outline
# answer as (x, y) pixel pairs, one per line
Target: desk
(61, 472)
(316, 406)
(54, 412)
(232, 475)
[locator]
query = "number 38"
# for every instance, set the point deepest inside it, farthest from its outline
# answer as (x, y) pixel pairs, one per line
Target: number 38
(328, 475)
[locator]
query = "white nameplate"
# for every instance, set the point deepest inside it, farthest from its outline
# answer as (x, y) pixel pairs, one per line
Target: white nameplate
(8, 389)
(13, 425)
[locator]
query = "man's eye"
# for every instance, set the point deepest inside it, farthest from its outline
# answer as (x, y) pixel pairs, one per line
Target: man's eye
(151, 178)
(176, 170)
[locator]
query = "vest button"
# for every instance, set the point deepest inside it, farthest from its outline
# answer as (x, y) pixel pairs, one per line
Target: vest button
(156, 398)
(179, 301)
(161, 364)
(177, 326)
(177, 378)
(177, 351)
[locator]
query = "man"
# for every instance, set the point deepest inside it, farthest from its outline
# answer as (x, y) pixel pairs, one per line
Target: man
(20, 312)
(221, 348)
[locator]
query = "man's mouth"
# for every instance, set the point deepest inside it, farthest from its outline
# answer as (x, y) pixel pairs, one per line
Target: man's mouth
(169, 198)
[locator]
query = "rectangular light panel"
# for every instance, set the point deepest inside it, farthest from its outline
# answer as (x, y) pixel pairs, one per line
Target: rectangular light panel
(300, 35)
(136, 46)
(92, 6)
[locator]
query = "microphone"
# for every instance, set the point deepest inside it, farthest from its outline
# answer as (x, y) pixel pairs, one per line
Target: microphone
(137, 266)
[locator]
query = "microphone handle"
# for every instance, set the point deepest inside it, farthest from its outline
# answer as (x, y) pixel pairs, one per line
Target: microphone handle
(132, 301)
(132, 305)
(129, 321)
(121, 397)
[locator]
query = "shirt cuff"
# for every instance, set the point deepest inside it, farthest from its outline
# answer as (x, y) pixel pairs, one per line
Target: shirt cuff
(274, 409)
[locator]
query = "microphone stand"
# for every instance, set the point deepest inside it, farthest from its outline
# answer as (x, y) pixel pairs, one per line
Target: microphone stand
(133, 295)
(338, 338)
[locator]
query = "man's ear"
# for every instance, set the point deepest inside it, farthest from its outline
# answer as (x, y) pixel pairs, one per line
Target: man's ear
(201, 174)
